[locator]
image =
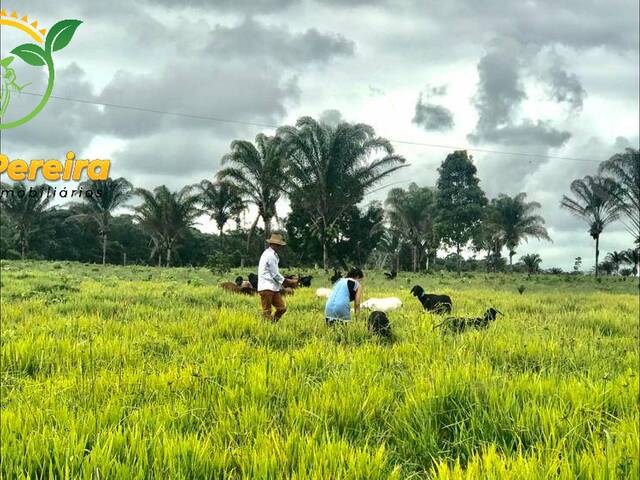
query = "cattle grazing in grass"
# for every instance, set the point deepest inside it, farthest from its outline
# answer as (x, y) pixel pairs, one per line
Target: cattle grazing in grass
(382, 304)
(378, 324)
(391, 275)
(431, 302)
(459, 324)
(244, 288)
(300, 280)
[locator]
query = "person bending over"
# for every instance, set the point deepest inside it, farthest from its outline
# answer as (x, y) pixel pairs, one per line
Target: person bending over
(345, 291)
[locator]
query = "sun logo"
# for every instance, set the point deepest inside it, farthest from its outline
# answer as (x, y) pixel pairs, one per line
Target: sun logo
(38, 54)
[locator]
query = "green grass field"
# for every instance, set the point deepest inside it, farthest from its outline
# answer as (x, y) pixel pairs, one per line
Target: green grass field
(141, 372)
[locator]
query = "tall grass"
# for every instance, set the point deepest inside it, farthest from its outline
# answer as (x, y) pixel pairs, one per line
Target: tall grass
(157, 373)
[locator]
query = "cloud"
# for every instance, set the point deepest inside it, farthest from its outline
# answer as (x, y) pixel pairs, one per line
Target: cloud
(499, 96)
(251, 40)
(437, 90)
(564, 86)
(331, 117)
(62, 124)
(432, 117)
(574, 23)
(241, 6)
(230, 93)
(527, 133)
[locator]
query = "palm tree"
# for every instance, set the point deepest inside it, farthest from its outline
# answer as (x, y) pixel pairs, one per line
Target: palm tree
(515, 219)
(328, 169)
(222, 201)
(607, 267)
(105, 197)
(167, 217)
(615, 259)
(257, 173)
(27, 207)
(632, 256)
(624, 170)
(594, 204)
(532, 261)
(411, 213)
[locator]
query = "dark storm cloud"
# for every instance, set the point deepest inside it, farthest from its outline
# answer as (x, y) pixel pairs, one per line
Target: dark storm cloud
(499, 96)
(229, 93)
(564, 86)
(432, 117)
(251, 39)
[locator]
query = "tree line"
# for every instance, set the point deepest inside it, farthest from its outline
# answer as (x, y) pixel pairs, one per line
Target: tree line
(325, 172)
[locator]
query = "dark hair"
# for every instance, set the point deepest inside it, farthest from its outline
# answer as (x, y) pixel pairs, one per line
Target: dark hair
(355, 272)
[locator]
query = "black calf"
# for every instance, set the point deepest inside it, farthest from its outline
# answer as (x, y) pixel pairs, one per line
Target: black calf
(378, 324)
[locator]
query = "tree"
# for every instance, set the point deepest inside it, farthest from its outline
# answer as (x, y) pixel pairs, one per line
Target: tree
(459, 201)
(355, 235)
(167, 217)
(411, 212)
(532, 261)
(488, 237)
(624, 170)
(632, 256)
(222, 201)
(328, 170)
(615, 259)
(516, 221)
(594, 204)
(608, 267)
(577, 265)
(101, 198)
(257, 173)
(27, 208)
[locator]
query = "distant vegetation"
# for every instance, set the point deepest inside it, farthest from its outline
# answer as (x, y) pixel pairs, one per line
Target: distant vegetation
(326, 173)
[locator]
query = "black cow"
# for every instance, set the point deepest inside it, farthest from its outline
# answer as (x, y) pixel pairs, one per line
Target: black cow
(459, 325)
(431, 302)
(337, 275)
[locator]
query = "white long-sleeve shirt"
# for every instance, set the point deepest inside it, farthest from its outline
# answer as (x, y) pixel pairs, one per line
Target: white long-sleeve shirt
(269, 277)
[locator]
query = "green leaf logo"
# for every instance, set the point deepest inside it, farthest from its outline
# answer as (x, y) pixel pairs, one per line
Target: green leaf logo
(31, 54)
(60, 35)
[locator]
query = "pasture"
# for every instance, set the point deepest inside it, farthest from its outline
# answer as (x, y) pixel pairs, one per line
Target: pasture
(141, 372)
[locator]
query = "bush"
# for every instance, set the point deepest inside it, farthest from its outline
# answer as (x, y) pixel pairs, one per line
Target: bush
(219, 263)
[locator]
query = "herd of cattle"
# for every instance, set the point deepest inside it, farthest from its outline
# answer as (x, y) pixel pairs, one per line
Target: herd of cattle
(378, 321)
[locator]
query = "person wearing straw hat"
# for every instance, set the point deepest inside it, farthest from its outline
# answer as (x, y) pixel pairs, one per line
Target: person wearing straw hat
(271, 281)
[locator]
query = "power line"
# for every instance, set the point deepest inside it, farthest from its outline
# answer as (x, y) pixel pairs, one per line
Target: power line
(266, 125)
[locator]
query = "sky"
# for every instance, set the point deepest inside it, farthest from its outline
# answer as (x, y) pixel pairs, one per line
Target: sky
(555, 82)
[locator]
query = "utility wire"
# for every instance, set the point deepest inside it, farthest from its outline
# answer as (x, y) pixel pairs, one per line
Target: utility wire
(266, 125)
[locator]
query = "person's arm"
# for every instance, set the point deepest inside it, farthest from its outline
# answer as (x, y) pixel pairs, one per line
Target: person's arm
(272, 268)
(356, 302)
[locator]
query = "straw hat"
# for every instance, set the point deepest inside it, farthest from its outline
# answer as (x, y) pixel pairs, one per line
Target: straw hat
(276, 239)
